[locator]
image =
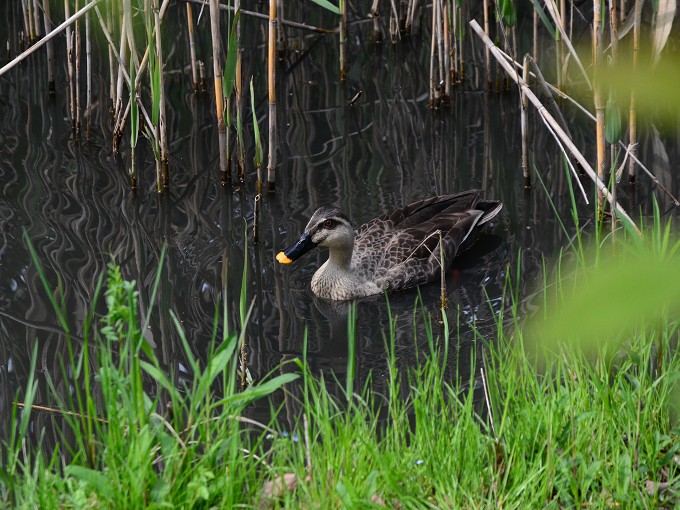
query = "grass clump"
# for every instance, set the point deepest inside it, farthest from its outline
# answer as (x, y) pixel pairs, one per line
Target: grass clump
(135, 437)
(555, 419)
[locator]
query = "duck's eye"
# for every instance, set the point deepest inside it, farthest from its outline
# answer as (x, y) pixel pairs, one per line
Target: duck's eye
(328, 224)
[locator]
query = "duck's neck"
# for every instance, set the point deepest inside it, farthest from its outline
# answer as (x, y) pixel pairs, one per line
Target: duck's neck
(340, 258)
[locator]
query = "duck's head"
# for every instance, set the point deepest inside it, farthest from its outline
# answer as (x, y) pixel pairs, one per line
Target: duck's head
(328, 227)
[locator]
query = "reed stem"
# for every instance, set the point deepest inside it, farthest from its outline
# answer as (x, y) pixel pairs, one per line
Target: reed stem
(342, 31)
(69, 56)
(271, 81)
(440, 51)
(632, 115)
(374, 13)
(239, 116)
(447, 51)
(112, 65)
(524, 123)
(30, 27)
(487, 54)
(432, 54)
(597, 94)
(162, 124)
(88, 78)
(27, 21)
(256, 217)
(77, 71)
(192, 45)
(50, 48)
(535, 52)
(36, 18)
(219, 91)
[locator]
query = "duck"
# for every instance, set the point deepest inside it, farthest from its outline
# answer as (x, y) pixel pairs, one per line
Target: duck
(396, 251)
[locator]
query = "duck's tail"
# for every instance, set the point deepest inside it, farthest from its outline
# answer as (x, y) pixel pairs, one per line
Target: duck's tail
(490, 209)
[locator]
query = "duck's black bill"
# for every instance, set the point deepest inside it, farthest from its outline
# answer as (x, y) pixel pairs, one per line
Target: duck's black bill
(303, 245)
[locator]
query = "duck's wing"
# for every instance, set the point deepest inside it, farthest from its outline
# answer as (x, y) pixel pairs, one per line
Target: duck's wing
(382, 242)
(413, 256)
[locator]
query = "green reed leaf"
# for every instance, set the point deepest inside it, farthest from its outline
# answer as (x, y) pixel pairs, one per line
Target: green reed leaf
(230, 67)
(256, 128)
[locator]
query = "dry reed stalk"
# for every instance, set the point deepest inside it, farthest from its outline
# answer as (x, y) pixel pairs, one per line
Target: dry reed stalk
(88, 77)
(440, 50)
(550, 121)
(162, 123)
(410, 13)
(393, 24)
(201, 75)
(76, 56)
(432, 53)
(27, 21)
(535, 52)
(374, 13)
(561, 59)
(487, 55)
(238, 86)
(613, 30)
(632, 113)
(28, 6)
(523, 122)
(122, 65)
(271, 82)
(447, 52)
(552, 10)
(342, 38)
(48, 37)
(112, 65)
(192, 45)
(454, 43)
(140, 65)
(219, 92)
(69, 56)
(597, 93)
(461, 52)
(36, 18)
(50, 48)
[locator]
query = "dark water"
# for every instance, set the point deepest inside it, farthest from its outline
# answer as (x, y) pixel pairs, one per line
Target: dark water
(73, 200)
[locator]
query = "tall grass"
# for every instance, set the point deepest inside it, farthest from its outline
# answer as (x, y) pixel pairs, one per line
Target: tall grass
(576, 408)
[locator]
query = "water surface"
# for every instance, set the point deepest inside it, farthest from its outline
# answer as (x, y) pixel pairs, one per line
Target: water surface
(388, 149)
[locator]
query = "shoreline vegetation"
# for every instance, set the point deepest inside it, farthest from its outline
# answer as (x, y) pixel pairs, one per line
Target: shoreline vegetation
(575, 403)
(576, 411)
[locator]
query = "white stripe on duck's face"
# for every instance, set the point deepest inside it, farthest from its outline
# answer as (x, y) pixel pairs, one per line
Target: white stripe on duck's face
(330, 227)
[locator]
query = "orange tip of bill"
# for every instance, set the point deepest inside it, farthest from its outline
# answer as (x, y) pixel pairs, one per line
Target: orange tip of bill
(281, 257)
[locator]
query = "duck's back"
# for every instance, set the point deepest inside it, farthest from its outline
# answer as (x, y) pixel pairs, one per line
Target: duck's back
(400, 249)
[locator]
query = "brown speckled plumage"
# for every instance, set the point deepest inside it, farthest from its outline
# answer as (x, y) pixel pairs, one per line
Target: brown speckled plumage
(395, 251)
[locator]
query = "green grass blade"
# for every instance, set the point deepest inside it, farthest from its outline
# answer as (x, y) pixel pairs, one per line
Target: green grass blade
(328, 6)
